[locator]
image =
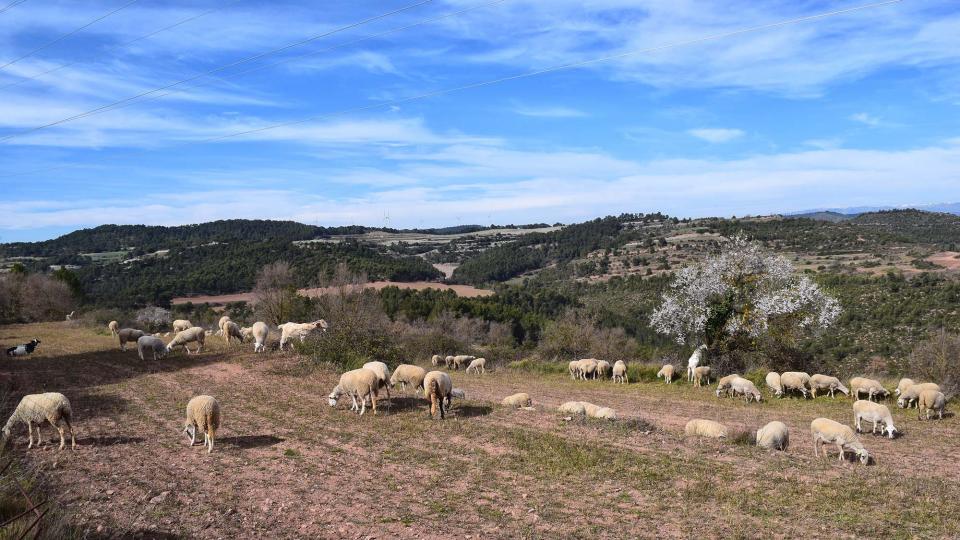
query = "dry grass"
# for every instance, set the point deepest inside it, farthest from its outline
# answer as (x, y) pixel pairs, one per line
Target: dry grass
(288, 465)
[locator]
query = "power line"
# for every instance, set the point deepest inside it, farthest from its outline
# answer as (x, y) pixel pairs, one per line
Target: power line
(11, 5)
(68, 34)
(215, 70)
(125, 44)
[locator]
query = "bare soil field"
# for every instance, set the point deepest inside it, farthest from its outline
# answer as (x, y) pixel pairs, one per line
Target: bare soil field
(287, 465)
(461, 290)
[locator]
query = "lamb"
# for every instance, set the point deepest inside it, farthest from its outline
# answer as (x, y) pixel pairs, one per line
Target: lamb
(595, 411)
(408, 374)
(517, 401)
(911, 394)
(746, 388)
(203, 414)
(260, 332)
(795, 380)
(572, 408)
(383, 375)
(461, 359)
(903, 385)
(873, 388)
(825, 430)
(694, 361)
(603, 369)
(699, 427)
(126, 335)
(180, 325)
(723, 385)
(666, 373)
(232, 330)
(931, 400)
(773, 383)
(873, 412)
(51, 407)
(479, 366)
(358, 384)
(438, 386)
(828, 384)
(701, 374)
(774, 436)
(189, 335)
(113, 326)
(151, 343)
(620, 372)
(291, 330)
(587, 367)
(435, 360)
(574, 367)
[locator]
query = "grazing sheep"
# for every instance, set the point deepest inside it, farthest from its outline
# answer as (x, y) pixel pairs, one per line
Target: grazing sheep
(903, 385)
(180, 325)
(587, 368)
(795, 380)
(909, 397)
(203, 414)
(359, 384)
(260, 332)
(408, 374)
(383, 375)
(127, 335)
(574, 368)
(232, 330)
(462, 359)
(774, 436)
(113, 326)
(246, 333)
(603, 369)
(828, 384)
(699, 427)
(701, 374)
(478, 365)
(189, 335)
(873, 412)
(873, 388)
(435, 360)
(723, 385)
(666, 373)
(448, 361)
(595, 411)
(773, 383)
(825, 430)
(151, 343)
(291, 330)
(620, 372)
(931, 400)
(518, 400)
(223, 320)
(36, 409)
(746, 388)
(438, 386)
(572, 408)
(694, 361)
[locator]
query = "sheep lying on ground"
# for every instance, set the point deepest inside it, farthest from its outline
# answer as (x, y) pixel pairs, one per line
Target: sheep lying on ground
(873, 412)
(462, 359)
(203, 414)
(871, 387)
(666, 373)
(825, 430)
(153, 344)
(518, 400)
(113, 326)
(774, 436)
(699, 427)
(723, 385)
(909, 396)
(383, 375)
(701, 375)
(827, 384)
(603, 369)
(36, 409)
(189, 335)
(180, 325)
(478, 366)
(773, 383)
(127, 335)
(746, 388)
(292, 330)
(260, 332)
(359, 384)
(587, 368)
(795, 380)
(595, 411)
(620, 372)
(572, 408)
(438, 386)
(435, 360)
(408, 374)
(232, 330)
(931, 400)
(903, 385)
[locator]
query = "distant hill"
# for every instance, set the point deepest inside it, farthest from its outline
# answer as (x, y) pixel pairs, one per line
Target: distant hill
(833, 217)
(948, 208)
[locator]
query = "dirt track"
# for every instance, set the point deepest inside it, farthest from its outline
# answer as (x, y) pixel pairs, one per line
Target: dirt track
(287, 465)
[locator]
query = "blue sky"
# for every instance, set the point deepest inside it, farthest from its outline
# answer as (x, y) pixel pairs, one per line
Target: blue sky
(858, 109)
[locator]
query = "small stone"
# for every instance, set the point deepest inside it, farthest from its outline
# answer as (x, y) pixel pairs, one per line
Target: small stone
(160, 498)
(110, 492)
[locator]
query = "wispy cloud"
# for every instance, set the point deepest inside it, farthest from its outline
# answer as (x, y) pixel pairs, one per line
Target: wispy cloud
(548, 111)
(866, 119)
(716, 135)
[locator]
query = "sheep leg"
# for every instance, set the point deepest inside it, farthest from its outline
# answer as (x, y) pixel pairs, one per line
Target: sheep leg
(816, 444)
(355, 406)
(363, 406)
(442, 412)
(60, 429)
(840, 448)
(30, 435)
(73, 439)
(373, 401)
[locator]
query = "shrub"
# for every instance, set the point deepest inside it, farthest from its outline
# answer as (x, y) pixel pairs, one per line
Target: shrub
(935, 360)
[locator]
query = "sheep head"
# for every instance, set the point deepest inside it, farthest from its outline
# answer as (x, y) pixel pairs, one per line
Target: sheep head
(334, 396)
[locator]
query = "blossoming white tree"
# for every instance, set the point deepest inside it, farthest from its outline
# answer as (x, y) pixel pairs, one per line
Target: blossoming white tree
(742, 294)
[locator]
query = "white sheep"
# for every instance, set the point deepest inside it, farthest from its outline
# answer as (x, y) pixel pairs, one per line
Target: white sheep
(231, 330)
(908, 398)
(873, 388)
(223, 320)
(825, 430)
(189, 335)
(408, 374)
(694, 361)
(595, 411)
(587, 368)
(478, 366)
(931, 400)
(828, 384)
(383, 375)
(448, 361)
(572, 408)
(435, 360)
(666, 373)
(698, 427)
(773, 383)
(517, 401)
(292, 330)
(203, 414)
(127, 335)
(113, 326)
(723, 385)
(701, 374)
(51, 407)
(461, 359)
(180, 325)
(359, 384)
(903, 385)
(873, 412)
(774, 436)
(438, 386)
(153, 344)
(246, 333)
(70, 315)
(260, 332)
(603, 369)
(746, 388)
(620, 372)
(795, 380)
(574, 368)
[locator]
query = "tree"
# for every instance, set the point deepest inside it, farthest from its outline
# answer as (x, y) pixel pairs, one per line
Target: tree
(739, 296)
(274, 292)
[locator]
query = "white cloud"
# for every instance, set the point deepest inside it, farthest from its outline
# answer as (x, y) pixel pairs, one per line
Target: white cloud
(866, 119)
(548, 111)
(716, 135)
